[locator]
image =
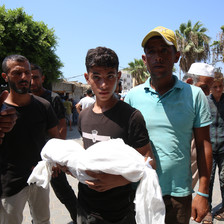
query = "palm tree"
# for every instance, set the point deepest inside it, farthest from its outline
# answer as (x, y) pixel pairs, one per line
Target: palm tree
(222, 42)
(138, 71)
(193, 44)
(218, 47)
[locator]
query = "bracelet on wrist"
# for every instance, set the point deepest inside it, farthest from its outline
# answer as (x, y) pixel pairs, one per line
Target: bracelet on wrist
(202, 194)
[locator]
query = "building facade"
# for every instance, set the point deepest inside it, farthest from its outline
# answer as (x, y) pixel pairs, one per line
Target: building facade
(74, 90)
(127, 81)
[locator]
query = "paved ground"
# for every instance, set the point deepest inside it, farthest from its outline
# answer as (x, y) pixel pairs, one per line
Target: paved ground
(59, 214)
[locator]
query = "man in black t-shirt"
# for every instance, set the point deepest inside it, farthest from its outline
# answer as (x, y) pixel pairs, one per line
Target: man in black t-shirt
(59, 183)
(36, 87)
(21, 147)
(108, 199)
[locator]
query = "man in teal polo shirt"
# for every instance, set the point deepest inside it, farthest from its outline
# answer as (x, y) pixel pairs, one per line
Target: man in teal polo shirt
(173, 110)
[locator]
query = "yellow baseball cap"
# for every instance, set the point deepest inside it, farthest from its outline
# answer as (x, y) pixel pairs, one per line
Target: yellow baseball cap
(167, 34)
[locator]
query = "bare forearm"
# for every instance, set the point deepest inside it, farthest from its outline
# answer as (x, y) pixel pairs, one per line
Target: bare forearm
(204, 157)
(105, 181)
(146, 151)
(78, 108)
(204, 161)
(62, 128)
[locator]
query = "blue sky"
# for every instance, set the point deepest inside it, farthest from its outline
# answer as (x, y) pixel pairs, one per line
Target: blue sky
(118, 24)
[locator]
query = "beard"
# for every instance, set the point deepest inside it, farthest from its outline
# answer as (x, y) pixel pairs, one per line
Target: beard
(35, 89)
(22, 90)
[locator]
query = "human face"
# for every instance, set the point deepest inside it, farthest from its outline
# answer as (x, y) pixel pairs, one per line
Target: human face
(36, 81)
(205, 83)
(103, 81)
(159, 58)
(18, 76)
(217, 89)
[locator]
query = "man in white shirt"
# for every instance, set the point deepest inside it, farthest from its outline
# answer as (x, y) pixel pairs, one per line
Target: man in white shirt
(85, 102)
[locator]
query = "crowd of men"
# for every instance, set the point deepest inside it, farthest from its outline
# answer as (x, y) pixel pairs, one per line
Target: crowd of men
(166, 119)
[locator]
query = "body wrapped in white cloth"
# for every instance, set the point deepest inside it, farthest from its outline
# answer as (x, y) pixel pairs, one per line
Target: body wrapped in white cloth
(113, 157)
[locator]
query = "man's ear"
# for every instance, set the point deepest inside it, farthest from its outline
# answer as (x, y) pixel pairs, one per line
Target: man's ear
(177, 56)
(119, 75)
(43, 78)
(5, 77)
(144, 59)
(86, 75)
(189, 81)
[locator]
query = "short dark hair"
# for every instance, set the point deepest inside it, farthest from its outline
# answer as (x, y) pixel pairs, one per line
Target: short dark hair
(218, 77)
(36, 67)
(13, 57)
(89, 92)
(103, 57)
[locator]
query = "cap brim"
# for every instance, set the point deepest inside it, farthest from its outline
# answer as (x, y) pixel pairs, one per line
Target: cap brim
(154, 34)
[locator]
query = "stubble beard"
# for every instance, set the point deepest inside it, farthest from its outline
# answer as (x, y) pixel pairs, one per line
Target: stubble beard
(23, 90)
(35, 90)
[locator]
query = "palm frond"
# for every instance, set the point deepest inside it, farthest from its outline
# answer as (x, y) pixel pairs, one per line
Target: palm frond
(193, 44)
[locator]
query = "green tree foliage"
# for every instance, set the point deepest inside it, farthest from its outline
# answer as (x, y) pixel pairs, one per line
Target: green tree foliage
(193, 44)
(138, 71)
(218, 47)
(222, 41)
(19, 34)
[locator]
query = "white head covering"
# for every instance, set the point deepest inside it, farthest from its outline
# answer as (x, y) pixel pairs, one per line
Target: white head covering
(202, 69)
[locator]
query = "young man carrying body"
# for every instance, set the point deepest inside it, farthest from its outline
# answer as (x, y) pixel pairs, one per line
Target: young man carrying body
(59, 183)
(173, 110)
(109, 199)
(21, 147)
